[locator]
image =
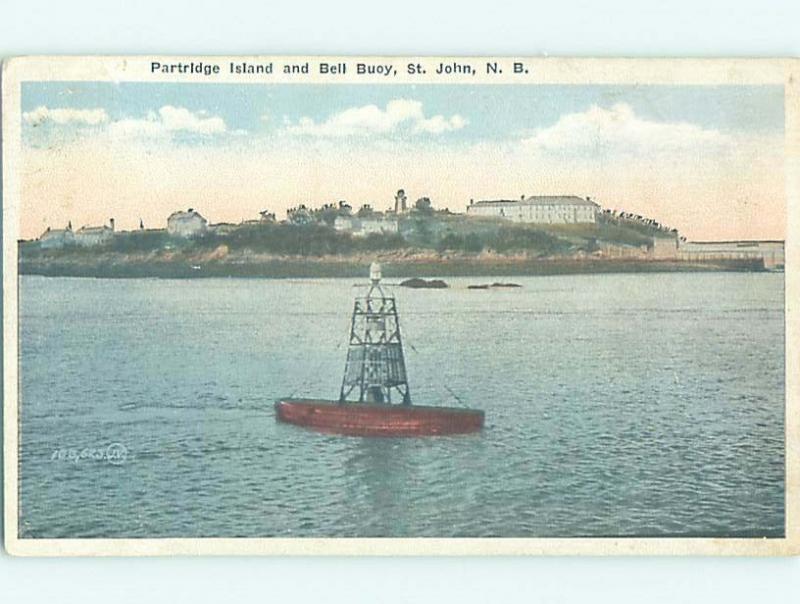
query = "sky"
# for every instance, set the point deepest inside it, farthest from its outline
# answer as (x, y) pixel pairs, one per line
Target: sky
(707, 160)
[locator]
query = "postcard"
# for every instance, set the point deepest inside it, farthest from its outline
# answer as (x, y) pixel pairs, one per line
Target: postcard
(400, 305)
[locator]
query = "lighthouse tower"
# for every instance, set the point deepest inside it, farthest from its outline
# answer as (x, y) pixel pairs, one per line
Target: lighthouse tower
(375, 368)
(400, 202)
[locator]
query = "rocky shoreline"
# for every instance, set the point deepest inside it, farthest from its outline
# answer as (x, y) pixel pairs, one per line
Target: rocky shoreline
(120, 266)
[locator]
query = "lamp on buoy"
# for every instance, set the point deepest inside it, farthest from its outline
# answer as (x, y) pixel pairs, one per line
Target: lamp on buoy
(375, 273)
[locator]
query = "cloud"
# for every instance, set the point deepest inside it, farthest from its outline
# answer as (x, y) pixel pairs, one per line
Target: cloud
(438, 124)
(399, 115)
(179, 118)
(166, 121)
(618, 130)
(64, 116)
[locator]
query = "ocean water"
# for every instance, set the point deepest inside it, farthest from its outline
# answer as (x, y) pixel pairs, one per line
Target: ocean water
(616, 405)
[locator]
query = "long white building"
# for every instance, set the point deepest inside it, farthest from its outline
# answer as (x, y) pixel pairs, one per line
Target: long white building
(539, 209)
(368, 225)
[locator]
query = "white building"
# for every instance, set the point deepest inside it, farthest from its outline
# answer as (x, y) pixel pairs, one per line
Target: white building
(186, 224)
(361, 227)
(223, 228)
(90, 236)
(539, 209)
(56, 238)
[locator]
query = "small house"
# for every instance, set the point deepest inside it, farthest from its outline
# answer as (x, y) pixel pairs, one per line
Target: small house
(186, 224)
(91, 236)
(56, 238)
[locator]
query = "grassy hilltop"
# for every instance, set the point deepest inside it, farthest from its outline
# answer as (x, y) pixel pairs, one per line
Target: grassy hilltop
(434, 243)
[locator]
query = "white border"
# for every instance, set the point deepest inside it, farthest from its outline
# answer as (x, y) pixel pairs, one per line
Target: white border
(542, 71)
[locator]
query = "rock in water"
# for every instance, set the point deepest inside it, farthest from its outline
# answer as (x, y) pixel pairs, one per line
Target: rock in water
(417, 283)
(493, 285)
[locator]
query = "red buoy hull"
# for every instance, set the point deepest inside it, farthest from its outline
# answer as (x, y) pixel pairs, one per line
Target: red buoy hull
(366, 419)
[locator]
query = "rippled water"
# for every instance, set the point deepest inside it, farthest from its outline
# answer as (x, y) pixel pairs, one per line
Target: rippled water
(648, 405)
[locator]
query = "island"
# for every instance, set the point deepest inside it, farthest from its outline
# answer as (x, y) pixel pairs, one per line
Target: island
(540, 235)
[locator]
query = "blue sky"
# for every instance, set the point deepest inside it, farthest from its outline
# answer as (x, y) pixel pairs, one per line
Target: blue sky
(491, 112)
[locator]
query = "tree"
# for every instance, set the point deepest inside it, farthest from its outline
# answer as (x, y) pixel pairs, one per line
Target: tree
(423, 205)
(365, 211)
(327, 214)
